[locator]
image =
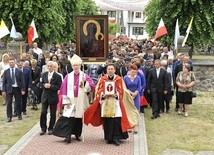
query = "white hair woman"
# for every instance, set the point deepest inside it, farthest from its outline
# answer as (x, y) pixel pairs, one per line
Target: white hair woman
(4, 65)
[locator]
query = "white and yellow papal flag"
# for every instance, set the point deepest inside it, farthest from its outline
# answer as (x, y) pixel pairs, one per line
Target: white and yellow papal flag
(187, 32)
(3, 29)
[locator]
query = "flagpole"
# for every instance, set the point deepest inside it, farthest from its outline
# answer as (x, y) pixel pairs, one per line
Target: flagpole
(12, 25)
(20, 46)
(83, 139)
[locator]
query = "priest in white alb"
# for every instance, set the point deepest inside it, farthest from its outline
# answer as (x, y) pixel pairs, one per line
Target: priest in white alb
(74, 89)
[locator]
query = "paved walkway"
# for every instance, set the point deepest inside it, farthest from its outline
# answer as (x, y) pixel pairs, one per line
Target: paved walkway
(34, 144)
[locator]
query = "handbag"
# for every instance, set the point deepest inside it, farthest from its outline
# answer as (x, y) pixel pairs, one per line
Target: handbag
(194, 94)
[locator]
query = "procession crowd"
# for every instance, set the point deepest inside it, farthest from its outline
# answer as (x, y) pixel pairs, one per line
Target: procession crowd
(135, 75)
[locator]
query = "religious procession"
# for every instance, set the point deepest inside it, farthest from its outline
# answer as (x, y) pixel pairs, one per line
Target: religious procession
(94, 79)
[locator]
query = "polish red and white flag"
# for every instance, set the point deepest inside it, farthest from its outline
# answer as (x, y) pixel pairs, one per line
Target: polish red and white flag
(32, 33)
(161, 30)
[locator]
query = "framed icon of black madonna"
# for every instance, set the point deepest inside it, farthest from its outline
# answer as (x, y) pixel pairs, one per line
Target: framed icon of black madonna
(92, 37)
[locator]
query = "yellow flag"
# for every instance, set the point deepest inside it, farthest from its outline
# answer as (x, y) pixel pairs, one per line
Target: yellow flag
(187, 32)
(3, 29)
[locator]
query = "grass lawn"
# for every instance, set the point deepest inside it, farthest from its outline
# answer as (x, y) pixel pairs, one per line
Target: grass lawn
(173, 131)
(12, 132)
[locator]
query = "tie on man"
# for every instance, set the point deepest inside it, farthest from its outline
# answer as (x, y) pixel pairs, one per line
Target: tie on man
(13, 76)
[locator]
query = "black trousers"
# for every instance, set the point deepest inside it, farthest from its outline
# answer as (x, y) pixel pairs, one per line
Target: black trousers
(16, 92)
(43, 117)
(112, 129)
(176, 100)
(24, 101)
(157, 102)
(166, 100)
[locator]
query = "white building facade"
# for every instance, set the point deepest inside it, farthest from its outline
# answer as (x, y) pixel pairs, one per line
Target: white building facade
(128, 15)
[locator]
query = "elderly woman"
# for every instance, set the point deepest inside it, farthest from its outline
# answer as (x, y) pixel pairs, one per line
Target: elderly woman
(185, 81)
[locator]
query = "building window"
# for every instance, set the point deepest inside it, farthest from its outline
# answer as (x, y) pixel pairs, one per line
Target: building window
(111, 13)
(137, 14)
(137, 30)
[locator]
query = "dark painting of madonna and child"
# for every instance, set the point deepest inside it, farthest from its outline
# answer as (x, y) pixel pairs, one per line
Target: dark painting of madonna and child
(92, 37)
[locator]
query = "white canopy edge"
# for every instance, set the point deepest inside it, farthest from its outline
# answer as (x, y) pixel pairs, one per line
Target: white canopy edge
(121, 5)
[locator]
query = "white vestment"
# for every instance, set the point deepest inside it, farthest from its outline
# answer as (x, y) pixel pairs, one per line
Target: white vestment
(75, 106)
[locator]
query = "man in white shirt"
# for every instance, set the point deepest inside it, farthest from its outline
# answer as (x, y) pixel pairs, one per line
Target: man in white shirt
(51, 82)
(13, 86)
(157, 87)
(36, 49)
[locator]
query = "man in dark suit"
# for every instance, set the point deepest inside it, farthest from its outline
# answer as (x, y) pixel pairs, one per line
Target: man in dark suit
(157, 86)
(51, 82)
(13, 85)
(124, 70)
(26, 73)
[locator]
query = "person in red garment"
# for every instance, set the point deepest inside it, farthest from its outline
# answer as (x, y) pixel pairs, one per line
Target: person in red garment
(110, 110)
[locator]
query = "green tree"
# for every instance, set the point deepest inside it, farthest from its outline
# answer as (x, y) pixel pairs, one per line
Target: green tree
(112, 28)
(54, 19)
(88, 7)
(48, 17)
(202, 31)
(73, 8)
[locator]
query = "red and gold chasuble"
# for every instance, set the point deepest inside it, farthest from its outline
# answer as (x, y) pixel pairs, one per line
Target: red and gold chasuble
(93, 114)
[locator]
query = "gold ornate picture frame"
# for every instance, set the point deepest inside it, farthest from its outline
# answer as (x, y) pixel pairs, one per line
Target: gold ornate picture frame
(92, 37)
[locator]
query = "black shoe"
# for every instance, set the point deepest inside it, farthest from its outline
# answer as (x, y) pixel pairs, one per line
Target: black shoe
(109, 142)
(19, 117)
(78, 138)
(67, 140)
(42, 133)
(116, 142)
(158, 115)
(9, 119)
(15, 115)
(24, 113)
(176, 109)
(153, 117)
(167, 111)
(50, 132)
